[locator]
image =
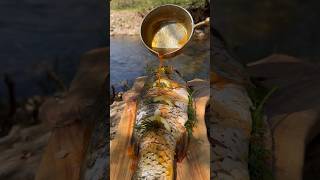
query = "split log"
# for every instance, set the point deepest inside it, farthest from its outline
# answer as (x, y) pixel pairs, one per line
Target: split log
(196, 164)
(75, 119)
(230, 118)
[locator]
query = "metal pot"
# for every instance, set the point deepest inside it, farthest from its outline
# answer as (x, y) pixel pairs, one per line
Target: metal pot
(166, 29)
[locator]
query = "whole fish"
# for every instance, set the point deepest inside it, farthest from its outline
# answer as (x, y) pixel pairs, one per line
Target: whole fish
(164, 121)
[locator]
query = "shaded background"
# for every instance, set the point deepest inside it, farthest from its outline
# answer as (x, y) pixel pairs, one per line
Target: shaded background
(37, 36)
(41, 42)
(255, 29)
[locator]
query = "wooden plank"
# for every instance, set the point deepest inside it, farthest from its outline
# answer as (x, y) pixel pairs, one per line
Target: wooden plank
(196, 164)
(73, 117)
(64, 153)
(121, 157)
(95, 164)
(121, 153)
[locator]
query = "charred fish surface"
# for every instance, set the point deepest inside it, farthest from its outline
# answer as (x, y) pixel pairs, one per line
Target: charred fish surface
(162, 126)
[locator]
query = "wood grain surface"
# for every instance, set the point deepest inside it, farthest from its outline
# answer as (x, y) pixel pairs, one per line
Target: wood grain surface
(73, 117)
(64, 154)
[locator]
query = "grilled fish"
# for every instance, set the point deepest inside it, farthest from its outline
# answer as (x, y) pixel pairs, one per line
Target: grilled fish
(164, 120)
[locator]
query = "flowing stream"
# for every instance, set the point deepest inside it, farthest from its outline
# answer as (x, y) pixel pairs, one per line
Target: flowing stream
(129, 59)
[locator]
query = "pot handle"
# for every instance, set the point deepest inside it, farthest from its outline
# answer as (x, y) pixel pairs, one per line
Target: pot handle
(205, 22)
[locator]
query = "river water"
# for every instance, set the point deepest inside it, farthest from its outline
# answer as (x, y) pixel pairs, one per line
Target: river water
(129, 58)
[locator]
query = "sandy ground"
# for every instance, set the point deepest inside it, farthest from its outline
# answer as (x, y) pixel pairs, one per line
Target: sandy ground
(125, 22)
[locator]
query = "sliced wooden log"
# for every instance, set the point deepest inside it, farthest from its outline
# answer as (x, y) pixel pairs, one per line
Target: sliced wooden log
(63, 155)
(196, 164)
(75, 118)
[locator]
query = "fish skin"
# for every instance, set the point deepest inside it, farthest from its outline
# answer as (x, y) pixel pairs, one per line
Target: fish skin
(156, 157)
(159, 149)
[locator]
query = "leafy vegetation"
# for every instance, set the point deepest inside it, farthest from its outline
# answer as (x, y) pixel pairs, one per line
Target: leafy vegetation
(141, 5)
(258, 154)
(150, 124)
(192, 119)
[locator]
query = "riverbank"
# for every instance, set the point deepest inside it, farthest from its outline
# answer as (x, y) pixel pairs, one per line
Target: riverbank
(127, 21)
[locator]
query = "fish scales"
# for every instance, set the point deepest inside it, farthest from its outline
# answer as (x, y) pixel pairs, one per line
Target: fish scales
(160, 137)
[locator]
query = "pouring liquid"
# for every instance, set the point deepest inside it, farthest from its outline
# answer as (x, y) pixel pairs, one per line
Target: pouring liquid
(169, 37)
